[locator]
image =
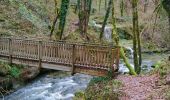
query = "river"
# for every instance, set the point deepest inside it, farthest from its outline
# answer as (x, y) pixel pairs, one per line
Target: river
(49, 87)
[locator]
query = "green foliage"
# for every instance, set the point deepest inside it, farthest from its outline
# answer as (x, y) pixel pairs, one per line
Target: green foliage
(162, 68)
(15, 72)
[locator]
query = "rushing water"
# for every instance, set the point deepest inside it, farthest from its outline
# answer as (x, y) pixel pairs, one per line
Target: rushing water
(51, 88)
(108, 33)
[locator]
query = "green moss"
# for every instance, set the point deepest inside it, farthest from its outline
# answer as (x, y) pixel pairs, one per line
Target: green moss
(100, 88)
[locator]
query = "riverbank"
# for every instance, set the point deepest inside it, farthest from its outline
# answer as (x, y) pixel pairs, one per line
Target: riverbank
(13, 77)
(154, 85)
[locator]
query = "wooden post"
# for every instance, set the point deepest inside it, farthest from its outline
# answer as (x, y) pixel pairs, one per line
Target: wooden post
(10, 51)
(117, 57)
(111, 59)
(73, 60)
(40, 54)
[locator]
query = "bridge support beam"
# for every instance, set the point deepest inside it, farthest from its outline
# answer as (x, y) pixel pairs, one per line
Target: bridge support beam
(73, 60)
(40, 54)
(10, 51)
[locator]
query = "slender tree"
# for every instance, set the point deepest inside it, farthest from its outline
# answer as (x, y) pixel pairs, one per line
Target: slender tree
(116, 39)
(122, 7)
(63, 13)
(106, 18)
(166, 6)
(105, 3)
(84, 7)
(136, 37)
(100, 1)
(55, 19)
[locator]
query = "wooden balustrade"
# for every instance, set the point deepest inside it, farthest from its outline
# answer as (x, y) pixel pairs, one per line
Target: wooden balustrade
(78, 57)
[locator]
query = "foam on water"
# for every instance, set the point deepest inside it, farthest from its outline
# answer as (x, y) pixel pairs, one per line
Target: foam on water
(48, 88)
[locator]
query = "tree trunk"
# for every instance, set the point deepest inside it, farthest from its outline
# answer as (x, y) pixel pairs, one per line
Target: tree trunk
(105, 19)
(169, 22)
(135, 35)
(55, 19)
(63, 14)
(122, 7)
(53, 26)
(84, 14)
(166, 6)
(100, 1)
(138, 41)
(115, 37)
(105, 4)
(88, 11)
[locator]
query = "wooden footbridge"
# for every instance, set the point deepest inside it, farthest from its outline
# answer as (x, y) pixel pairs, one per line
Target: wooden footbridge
(93, 59)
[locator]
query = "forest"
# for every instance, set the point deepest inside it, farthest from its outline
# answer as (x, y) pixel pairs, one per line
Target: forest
(84, 49)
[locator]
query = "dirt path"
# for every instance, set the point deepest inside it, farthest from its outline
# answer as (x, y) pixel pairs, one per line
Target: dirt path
(141, 87)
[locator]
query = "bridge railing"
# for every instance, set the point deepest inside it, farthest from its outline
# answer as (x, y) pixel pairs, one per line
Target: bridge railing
(75, 55)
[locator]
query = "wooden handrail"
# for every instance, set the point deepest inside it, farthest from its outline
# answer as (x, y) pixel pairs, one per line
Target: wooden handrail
(91, 56)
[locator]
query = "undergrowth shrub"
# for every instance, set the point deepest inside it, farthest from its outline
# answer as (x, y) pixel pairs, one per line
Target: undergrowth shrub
(15, 72)
(12, 70)
(162, 68)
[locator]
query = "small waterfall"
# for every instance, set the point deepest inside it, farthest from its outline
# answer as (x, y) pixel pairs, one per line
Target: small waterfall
(129, 51)
(108, 33)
